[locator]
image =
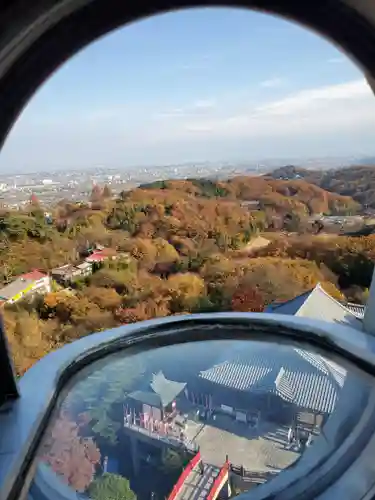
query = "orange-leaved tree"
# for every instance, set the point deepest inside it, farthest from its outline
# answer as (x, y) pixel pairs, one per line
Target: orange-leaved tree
(246, 299)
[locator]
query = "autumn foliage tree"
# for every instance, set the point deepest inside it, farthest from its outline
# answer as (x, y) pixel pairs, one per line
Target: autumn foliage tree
(34, 201)
(71, 456)
(185, 249)
(107, 192)
(105, 298)
(148, 309)
(247, 299)
(185, 290)
(96, 193)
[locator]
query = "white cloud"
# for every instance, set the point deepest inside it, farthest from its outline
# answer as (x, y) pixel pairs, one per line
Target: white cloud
(273, 83)
(326, 109)
(306, 99)
(340, 117)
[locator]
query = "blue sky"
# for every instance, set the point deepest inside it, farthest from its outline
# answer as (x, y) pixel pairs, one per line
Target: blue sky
(205, 84)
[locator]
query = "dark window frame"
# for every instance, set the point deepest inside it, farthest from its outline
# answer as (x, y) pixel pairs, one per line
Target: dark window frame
(8, 385)
(29, 418)
(33, 43)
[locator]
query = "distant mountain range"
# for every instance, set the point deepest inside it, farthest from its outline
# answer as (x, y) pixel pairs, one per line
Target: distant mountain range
(317, 163)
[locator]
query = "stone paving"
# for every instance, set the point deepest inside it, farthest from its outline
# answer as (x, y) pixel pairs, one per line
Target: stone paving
(259, 450)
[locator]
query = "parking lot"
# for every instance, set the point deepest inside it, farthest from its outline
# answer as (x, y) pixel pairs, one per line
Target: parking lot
(259, 450)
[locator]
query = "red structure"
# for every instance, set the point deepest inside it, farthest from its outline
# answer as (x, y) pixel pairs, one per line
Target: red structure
(184, 475)
(220, 481)
(200, 481)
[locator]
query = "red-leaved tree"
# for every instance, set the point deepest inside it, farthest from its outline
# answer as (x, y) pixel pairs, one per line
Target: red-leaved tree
(34, 201)
(71, 456)
(246, 299)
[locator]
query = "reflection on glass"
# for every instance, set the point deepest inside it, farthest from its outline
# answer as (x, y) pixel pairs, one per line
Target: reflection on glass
(194, 420)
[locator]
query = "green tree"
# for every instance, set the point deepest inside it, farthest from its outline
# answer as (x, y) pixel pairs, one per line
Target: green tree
(111, 487)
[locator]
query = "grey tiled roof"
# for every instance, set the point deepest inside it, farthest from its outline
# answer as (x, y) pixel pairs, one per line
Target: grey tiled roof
(240, 376)
(314, 391)
(317, 304)
(336, 371)
(305, 379)
(325, 366)
(357, 309)
(313, 359)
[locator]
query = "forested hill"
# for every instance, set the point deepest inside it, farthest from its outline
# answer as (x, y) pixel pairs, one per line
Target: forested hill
(282, 196)
(355, 181)
(181, 246)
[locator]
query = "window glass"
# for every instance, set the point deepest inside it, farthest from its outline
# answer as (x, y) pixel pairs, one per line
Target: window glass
(194, 419)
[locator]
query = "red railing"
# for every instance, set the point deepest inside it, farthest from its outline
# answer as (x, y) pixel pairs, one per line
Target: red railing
(184, 475)
(219, 482)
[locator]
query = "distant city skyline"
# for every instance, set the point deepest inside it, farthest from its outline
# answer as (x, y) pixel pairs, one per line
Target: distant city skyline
(189, 169)
(220, 85)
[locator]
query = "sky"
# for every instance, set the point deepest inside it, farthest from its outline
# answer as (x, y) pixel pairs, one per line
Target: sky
(196, 85)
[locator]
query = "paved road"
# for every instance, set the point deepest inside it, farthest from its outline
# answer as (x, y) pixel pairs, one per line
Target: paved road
(197, 487)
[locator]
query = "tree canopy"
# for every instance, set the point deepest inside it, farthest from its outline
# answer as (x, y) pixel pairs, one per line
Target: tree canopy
(72, 457)
(185, 246)
(111, 487)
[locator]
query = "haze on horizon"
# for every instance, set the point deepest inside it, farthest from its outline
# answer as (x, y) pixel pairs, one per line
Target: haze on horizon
(196, 85)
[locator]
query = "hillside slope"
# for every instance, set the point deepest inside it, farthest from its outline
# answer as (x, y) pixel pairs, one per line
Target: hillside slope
(282, 196)
(356, 181)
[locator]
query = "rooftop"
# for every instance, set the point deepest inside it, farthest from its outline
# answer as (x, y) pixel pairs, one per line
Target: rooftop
(167, 389)
(160, 391)
(100, 255)
(357, 309)
(17, 286)
(318, 304)
(65, 269)
(83, 265)
(147, 398)
(35, 275)
(285, 375)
